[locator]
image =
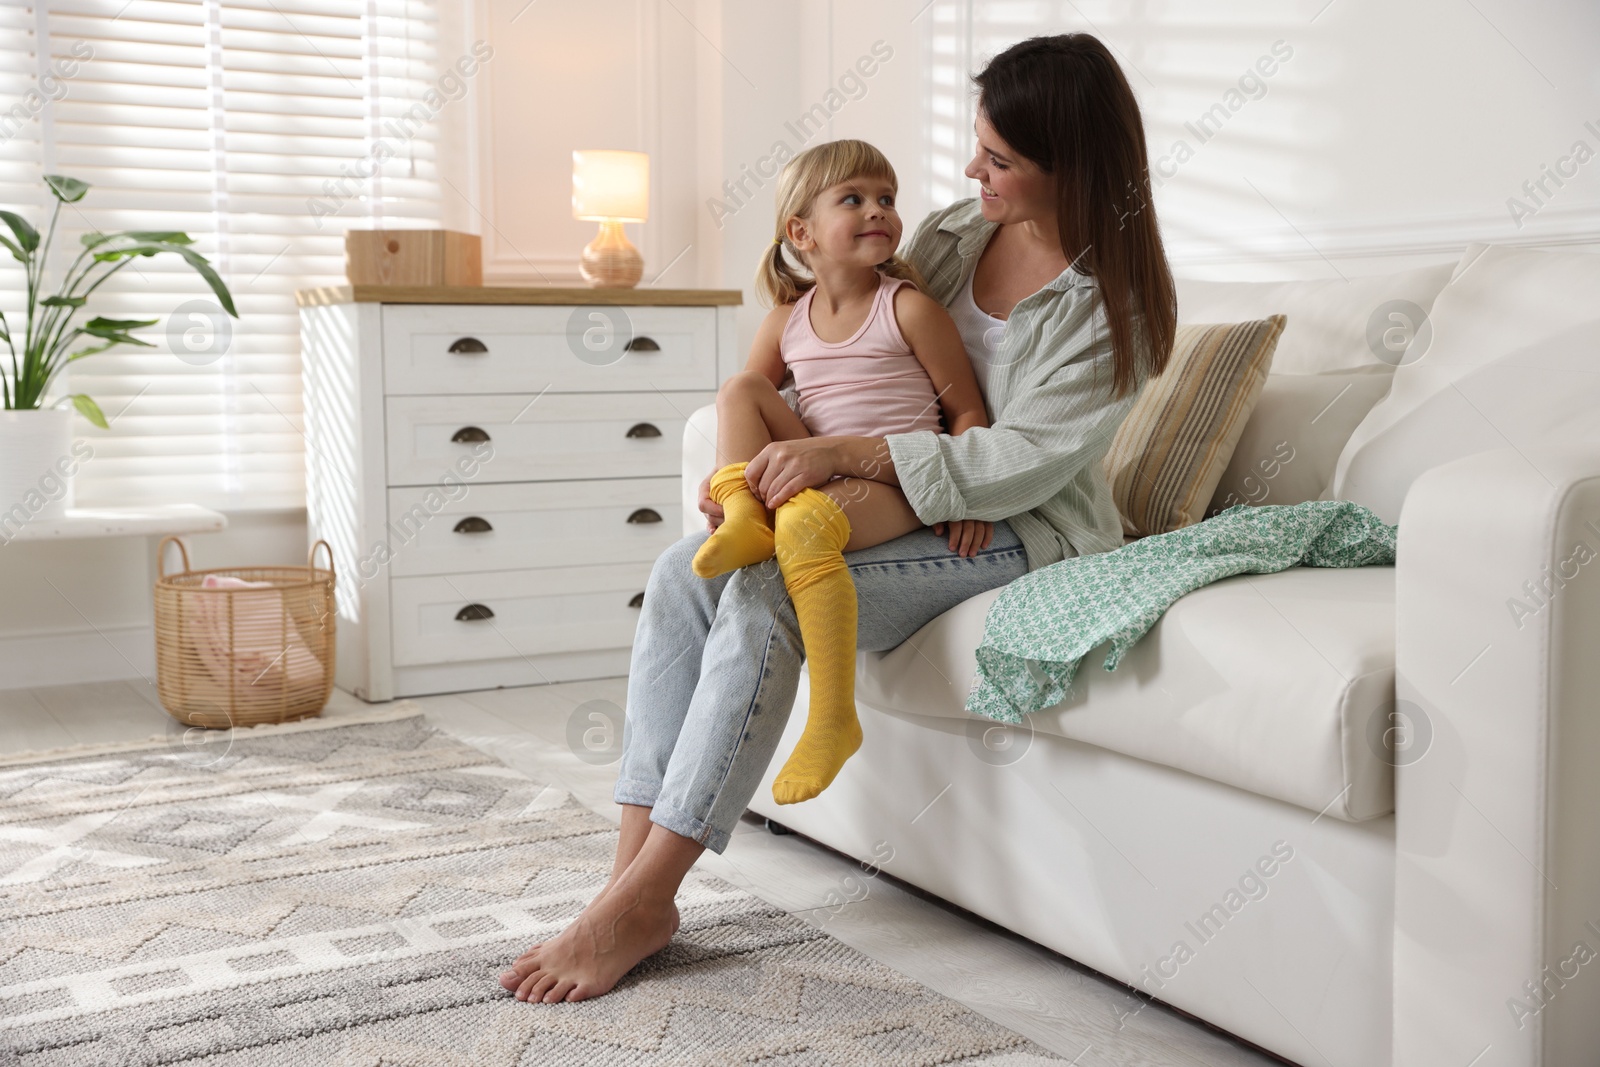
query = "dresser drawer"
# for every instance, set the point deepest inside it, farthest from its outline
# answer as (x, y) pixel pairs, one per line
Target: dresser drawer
(461, 527)
(429, 349)
(500, 614)
(539, 437)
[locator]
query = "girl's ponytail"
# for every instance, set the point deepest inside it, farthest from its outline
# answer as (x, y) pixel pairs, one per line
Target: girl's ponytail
(778, 282)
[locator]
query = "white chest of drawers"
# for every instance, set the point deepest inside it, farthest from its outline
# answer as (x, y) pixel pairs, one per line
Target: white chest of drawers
(496, 470)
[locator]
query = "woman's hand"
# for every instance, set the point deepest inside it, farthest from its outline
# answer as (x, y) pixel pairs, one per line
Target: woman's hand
(708, 507)
(967, 536)
(783, 468)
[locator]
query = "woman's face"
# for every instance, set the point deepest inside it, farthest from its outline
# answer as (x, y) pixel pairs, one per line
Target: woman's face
(1013, 189)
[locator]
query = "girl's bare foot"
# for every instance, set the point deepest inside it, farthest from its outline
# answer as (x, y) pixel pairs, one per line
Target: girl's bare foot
(618, 929)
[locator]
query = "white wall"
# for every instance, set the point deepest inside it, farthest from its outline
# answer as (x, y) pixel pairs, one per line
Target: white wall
(80, 611)
(617, 74)
(1392, 135)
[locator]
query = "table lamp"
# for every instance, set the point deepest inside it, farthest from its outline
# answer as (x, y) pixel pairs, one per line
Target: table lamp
(610, 188)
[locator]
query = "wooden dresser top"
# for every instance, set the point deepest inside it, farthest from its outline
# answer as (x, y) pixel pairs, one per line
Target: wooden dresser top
(507, 294)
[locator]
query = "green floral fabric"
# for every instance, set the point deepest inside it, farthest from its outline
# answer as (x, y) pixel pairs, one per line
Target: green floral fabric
(1045, 622)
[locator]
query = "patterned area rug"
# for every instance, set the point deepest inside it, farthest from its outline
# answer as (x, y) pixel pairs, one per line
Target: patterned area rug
(345, 895)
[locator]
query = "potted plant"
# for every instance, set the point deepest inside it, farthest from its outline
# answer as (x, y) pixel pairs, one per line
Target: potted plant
(36, 436)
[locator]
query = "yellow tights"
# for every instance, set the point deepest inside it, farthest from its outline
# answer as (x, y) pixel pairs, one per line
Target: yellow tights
(744, 537)
(810, 534)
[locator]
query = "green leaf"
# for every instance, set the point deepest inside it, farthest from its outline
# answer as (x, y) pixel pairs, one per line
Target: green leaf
(90, 410)
(27, 236)
(80, 353)
(170, 237)
(64, 301)
(139, 250)
(16, 253)
(117, 336)
(118, 324)
(198, 262)
(67, 190)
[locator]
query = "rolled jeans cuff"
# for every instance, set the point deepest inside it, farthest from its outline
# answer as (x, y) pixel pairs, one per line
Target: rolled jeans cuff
(686, 825)
(642, 794)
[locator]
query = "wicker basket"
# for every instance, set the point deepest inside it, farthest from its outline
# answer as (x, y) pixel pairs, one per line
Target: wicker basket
(241, 657)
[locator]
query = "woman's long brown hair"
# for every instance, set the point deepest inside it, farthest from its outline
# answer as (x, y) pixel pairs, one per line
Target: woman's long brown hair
(1064, 103)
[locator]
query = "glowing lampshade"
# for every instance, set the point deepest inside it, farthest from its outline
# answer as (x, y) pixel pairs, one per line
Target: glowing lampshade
(610, 186)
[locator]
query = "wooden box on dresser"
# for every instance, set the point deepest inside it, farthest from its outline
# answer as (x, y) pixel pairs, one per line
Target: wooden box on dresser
(496, 469)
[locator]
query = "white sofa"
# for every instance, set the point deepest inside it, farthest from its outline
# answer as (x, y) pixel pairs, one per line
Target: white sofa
(1347, 815)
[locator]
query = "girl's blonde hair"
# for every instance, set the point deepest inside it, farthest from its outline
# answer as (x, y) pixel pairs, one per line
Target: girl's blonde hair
(804, 178)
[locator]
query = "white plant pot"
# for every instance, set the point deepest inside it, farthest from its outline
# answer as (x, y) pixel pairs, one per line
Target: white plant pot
(36, 466)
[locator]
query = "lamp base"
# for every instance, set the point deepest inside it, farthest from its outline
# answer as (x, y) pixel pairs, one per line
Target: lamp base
(610, 261)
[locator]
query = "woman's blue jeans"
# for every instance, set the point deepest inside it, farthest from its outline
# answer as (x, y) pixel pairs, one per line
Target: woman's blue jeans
(716, 664)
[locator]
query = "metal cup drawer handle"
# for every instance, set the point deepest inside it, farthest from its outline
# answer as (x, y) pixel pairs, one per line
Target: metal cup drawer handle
(641, 344)
(468, 434)
(473, 612)
(468, 346)
(644, 429)
(645, 515)
(637, 601)
(473, 524)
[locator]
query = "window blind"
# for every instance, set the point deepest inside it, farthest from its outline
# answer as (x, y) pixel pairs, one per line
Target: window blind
(252, 126)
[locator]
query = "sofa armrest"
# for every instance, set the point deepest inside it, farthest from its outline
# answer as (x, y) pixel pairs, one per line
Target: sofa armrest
(699, 460)
(1497, 877)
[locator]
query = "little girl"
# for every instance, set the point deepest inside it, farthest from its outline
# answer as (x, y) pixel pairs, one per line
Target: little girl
(871, 355)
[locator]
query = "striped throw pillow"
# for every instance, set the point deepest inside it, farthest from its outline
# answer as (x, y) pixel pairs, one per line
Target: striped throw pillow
(1170, 452)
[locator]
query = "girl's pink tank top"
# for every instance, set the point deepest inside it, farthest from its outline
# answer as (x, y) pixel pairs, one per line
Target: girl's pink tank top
(866, 386)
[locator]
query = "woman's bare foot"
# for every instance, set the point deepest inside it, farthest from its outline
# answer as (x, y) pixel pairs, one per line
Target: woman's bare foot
(635, 828)
(617, 930)
(587, 908)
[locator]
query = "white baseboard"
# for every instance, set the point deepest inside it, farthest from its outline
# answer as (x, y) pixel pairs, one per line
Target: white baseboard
(91, 654)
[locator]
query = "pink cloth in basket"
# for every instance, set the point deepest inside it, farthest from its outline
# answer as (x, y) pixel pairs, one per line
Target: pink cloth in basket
(267, 652)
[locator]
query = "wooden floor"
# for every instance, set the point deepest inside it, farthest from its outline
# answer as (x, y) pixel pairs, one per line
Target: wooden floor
(1070, 1009)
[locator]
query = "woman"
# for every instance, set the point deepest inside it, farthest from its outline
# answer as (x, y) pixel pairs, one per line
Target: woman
(1056, 276)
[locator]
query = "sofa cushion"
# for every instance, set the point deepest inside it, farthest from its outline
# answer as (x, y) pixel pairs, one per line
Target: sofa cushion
(1326, 364)
(1288, 449)
(1327, 331)
(1170, 451)
(1280, 684)
(1514, 361)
